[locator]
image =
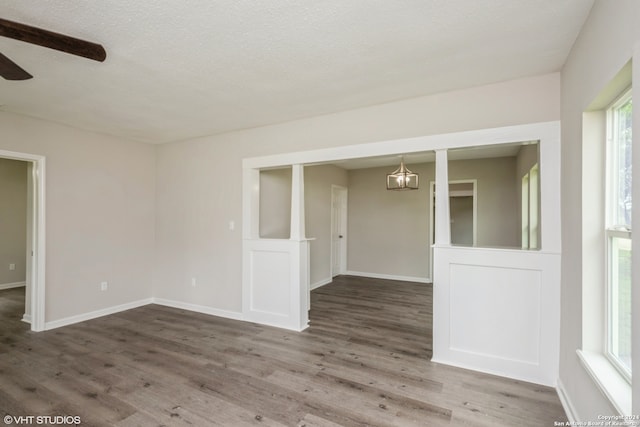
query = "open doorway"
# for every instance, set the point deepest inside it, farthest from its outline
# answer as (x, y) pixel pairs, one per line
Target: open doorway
(31, 263)
(14, 217)
(463, 209)
(338, 230)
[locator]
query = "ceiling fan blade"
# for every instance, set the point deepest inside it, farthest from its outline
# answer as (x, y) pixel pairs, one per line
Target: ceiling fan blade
(38, 36)
(12, 71)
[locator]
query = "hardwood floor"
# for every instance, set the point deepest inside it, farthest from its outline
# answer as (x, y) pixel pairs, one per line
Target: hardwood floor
(363, 361)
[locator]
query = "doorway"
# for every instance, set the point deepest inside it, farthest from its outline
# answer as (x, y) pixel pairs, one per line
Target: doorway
(34, 312)
(14, 213)
(463, 211)
(338, 230)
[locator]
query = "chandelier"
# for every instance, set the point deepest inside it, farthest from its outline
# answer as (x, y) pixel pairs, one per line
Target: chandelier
(402, 179)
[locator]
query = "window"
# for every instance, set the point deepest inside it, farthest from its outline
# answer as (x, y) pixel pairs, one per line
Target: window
(530, 182)
(618, 235)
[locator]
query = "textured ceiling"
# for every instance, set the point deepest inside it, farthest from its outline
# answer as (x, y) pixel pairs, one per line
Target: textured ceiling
(176, 70)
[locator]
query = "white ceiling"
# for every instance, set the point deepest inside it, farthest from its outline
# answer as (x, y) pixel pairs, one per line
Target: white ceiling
(176, 70)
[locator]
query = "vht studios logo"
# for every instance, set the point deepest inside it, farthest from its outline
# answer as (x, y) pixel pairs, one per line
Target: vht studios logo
(42, 419)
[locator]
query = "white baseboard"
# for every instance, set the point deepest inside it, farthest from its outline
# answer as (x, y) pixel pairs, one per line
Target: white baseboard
(94, 314)
(234, 315)
(135, 304)
(569, 409)
(12, 285)
(389, 276)
(320, 283)
(26, 318)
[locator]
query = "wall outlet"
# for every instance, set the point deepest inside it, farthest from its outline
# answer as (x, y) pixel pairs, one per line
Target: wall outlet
(12, 266)
(104, 286)
(193, 282)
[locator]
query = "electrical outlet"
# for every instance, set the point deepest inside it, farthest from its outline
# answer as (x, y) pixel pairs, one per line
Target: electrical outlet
(12, 266)
(193, 282)
(104, 286)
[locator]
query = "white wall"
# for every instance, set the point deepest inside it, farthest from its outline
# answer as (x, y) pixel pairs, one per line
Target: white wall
(194, 207)
(13, 221)
(99, 214)
(604, 45)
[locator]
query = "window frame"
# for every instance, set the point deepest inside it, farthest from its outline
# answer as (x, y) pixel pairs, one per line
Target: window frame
(612, 230)
(530, 203)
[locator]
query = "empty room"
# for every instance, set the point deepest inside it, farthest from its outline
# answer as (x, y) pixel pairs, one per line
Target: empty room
(337, 213)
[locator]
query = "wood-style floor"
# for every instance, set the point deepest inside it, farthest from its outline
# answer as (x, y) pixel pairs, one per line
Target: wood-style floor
(363, 361)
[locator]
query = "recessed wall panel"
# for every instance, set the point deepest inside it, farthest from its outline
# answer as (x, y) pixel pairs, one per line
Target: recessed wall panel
(495, 311)
(271, 282)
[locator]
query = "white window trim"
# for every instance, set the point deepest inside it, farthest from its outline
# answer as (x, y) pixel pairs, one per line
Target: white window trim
(530, 221)
(612, 230)
(592, 357)
(608, 379)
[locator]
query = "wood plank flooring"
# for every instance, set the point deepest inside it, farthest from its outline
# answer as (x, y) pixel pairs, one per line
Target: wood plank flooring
(364, 361)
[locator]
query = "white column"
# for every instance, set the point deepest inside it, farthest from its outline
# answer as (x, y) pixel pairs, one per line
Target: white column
(297, 203)
(443, 224)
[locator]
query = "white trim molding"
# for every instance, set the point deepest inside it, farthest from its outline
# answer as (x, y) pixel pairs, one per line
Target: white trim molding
(321, 283)
(4, 286)
(567, 405)
(389, 276)
(95, 314)
(609, 381)
(38, 237)
(227, 314)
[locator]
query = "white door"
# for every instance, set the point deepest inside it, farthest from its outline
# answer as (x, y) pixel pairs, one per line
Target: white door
(338, 230)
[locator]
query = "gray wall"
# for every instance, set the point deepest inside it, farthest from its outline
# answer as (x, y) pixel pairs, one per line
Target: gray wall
(100, 214)
(498, 220)
(275, 203)
(389, 230)
(13, 220)
(317, 184)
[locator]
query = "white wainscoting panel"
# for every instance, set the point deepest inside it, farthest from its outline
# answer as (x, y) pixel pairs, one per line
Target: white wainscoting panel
(493, 308)
(276, 282)
(497, 311)
(271, 281)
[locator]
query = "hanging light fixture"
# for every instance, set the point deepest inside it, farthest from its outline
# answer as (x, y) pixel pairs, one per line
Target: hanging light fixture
(402, 178)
